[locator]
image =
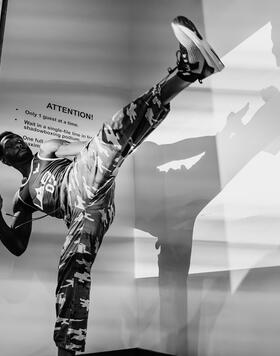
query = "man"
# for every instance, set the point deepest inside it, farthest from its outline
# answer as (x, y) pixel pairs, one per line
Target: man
(82, 191)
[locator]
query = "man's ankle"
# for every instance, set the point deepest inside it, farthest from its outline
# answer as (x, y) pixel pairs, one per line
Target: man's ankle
(63, 352)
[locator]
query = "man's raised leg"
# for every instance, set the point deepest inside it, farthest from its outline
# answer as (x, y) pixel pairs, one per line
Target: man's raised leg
(196, 60)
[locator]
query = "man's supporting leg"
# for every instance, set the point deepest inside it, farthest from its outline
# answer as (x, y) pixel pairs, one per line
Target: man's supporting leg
(74, 280)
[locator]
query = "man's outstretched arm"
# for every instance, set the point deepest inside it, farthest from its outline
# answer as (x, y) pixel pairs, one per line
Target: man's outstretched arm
(16, 237)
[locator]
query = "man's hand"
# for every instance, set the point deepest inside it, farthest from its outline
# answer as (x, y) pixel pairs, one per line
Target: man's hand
(16, 237)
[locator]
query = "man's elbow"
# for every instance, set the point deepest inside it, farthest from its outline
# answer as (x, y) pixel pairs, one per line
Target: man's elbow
(15, 250)
(19, 250)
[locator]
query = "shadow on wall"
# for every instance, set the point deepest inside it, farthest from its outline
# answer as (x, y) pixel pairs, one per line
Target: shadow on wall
(168, 202)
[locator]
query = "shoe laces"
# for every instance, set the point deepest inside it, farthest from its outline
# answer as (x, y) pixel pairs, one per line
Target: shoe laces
(184, 65)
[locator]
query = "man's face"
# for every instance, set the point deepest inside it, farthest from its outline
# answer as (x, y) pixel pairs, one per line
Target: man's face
(15, 150)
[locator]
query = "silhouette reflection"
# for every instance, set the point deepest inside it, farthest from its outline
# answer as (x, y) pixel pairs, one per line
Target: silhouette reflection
(168, 208)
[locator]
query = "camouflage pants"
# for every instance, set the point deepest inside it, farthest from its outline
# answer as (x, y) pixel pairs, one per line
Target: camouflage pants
(89, 209)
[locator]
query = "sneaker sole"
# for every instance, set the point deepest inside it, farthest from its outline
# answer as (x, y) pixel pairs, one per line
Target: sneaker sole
(182, 32)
